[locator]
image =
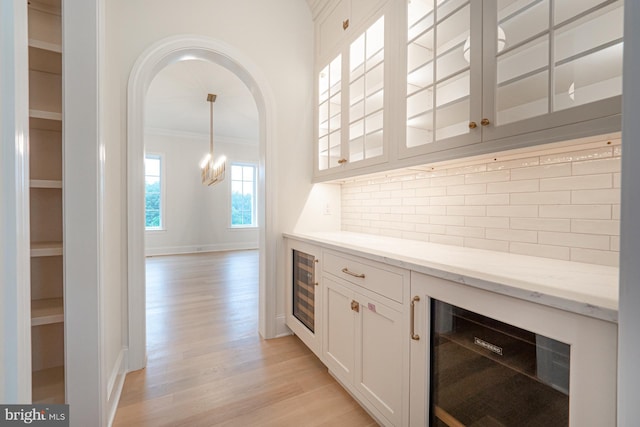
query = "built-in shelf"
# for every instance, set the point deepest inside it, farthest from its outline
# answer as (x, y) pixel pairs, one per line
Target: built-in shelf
(40, 44)
(45, 115)
(40, 249)
(45, 183)
(47, 311)
(48, 385)
(45, 60)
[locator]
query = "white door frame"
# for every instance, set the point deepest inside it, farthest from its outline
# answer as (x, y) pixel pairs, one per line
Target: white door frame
(150, 62)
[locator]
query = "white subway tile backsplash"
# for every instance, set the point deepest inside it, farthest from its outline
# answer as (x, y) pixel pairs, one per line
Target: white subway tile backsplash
(431, 228)
(561, 203)
(466, 210)
(582, 182)
(574, 240)
(456, 190)
(594, 226)
(490, 245)
(543, 171)
(597, 166)
(591, 197)
(431, 210)
(485, 221)
(524, 186)
(541, 224)
(528, 211)
(453, 230)
(487, 199)
(541, 198)
(592, 256)
(575, 211)
(525, 236)
(544, 251)
(447, 200)
(447, 220)
(615, 212)
(447, 240)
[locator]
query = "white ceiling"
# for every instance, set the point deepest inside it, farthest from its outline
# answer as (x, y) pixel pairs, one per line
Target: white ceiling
(177, 102)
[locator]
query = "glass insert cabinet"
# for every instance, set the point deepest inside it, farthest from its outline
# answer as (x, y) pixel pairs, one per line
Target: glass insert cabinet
(486, 70)
(484, 359)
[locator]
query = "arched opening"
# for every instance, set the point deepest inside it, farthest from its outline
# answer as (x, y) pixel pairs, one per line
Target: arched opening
(148, 65)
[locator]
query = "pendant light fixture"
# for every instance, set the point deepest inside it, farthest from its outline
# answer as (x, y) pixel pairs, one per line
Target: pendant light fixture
(212, 171)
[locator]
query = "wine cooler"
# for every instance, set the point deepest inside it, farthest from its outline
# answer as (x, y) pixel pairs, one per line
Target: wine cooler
(487, 373)
(304, 283)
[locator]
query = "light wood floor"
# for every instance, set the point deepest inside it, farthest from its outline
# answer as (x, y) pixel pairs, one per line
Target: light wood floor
(207, 365)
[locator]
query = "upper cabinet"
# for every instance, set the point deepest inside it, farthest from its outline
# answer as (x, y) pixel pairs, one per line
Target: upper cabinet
(350, 127)
(461, 77)
(484, 71)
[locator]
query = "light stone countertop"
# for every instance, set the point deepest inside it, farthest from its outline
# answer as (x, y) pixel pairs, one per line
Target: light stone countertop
(587, 289)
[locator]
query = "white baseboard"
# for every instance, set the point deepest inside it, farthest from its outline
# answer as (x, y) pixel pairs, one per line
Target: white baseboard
(115, 384)
(217, 247)
(282, 329)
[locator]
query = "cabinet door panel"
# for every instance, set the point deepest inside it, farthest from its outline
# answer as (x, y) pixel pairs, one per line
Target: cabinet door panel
(339, 331)
(379, 367)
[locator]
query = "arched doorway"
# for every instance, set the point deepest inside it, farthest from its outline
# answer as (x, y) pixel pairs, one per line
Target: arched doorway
(154, 59)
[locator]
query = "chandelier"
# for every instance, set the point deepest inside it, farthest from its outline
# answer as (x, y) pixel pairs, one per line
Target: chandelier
(212, 171)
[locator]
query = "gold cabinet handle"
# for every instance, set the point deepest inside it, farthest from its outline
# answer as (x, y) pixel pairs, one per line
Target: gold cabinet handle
(355, 306)
(341, 161)
(485, 122)
(473, 125)
(351, 273)
(414, 336)
(345, 24)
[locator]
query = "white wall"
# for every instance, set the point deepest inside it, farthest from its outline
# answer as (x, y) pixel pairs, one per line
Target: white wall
(197, 217)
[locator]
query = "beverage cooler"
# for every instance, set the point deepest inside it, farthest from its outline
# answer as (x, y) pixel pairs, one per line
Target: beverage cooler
(304, 284)
(486, 373)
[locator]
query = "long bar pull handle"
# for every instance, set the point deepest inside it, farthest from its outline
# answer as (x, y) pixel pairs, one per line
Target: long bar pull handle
(351, 273)
(414, 336)
(315, 276)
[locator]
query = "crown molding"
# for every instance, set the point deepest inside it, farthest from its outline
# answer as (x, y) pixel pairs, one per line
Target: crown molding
(222, 139)
(317, 6)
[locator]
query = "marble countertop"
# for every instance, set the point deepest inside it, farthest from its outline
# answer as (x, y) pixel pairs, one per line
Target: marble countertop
(587, 289)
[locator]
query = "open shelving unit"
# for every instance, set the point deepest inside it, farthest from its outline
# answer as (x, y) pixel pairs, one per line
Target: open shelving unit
(45, 198)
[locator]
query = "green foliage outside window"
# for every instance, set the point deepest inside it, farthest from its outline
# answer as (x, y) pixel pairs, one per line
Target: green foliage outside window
(152, 204)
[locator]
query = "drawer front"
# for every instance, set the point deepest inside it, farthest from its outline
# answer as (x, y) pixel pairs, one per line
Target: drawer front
(383, 280)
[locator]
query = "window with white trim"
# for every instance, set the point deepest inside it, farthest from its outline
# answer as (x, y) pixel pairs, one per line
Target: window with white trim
(153, 194)
(243, 195)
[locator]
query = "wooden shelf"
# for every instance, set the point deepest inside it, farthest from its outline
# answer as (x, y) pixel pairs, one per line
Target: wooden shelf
(40, 249)
(47, 311)
(45, 60)
(45, 183)
(48, 385)
(45, 115)
(43, 45)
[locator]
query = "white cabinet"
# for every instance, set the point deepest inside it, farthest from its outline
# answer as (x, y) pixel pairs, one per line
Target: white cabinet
(304, 295)
(485, 71)
(363, 344)
(592, 356)
(45, 197)
(351, 103)
(339, 21)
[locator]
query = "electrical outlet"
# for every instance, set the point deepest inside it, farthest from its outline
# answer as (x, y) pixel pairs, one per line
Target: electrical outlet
(327, 209)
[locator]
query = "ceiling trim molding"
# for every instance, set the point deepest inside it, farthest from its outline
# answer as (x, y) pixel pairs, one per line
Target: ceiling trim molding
(317, 6)
(222, 139)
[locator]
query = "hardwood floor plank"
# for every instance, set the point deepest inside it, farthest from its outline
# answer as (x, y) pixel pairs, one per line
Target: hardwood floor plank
(207, 365)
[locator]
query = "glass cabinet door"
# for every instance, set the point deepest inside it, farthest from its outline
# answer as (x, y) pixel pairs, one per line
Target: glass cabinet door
(329, 114)
(549, 56)
(366, 94)
(443, 71)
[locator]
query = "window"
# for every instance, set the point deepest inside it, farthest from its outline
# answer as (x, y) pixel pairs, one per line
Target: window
(243, 195)
(153, 202)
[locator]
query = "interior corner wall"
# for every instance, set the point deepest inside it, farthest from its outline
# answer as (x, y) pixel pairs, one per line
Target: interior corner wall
(196, 217)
